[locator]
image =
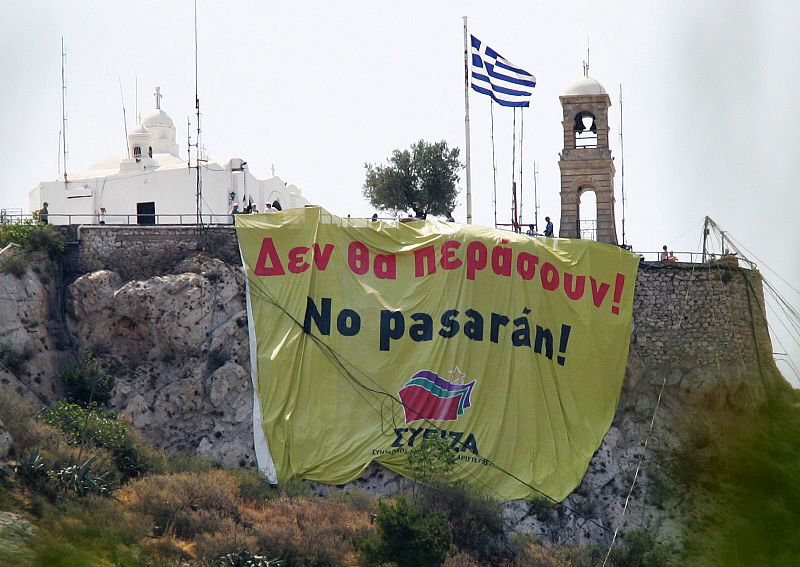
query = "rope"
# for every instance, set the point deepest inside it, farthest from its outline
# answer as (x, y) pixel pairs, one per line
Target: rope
(636, 472)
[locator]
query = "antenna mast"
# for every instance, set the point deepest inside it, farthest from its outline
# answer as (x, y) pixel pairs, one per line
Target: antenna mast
(622, 163)
(586, 63)
(196, 145)
(136, 98)
(64, 106)
(124, 118)
(535, 197)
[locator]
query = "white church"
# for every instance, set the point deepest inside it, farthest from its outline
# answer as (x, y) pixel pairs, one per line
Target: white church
(154, 185)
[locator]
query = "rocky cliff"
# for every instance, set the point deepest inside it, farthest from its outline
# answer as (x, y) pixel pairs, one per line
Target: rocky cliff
(177, 344)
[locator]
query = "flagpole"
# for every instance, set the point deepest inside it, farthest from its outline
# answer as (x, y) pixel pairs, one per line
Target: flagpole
(513, 172)
(494, 164)
(521, 133)
(466, 121)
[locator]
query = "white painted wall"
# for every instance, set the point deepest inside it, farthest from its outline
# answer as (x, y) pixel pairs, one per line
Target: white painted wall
(171, 187)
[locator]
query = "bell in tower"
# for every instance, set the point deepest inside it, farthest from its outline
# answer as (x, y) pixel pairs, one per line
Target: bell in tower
(587, 168)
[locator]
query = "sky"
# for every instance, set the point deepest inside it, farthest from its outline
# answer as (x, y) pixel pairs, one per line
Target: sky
(317, 89)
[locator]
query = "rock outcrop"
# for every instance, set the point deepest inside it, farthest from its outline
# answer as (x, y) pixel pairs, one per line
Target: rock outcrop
(178, 347)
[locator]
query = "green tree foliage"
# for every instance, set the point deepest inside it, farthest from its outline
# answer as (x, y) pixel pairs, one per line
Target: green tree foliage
(88, 383)
(753, 471)
(431, 461)
(407, 537)
(91, 428)
(422, 178)
(475, 518)
(32, 236)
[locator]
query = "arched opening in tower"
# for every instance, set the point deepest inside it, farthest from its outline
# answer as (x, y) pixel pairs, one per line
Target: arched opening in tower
(585, 130)
(587, 214)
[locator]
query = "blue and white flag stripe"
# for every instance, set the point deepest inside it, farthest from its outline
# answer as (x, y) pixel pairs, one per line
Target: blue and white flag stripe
(495, 76)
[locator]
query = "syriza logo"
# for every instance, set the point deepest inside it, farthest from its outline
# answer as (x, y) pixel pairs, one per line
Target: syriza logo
(427, 395)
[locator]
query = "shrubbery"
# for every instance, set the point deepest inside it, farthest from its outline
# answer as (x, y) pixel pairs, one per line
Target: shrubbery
(407, 536)
(90, 427)
(88, 383)
(309, 532)
(475, 518)
(32, 236)
(15, 265)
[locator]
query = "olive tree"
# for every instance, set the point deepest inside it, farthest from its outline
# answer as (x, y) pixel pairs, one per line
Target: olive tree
(423, 178)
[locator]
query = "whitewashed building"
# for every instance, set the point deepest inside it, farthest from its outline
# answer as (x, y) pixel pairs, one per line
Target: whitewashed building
(154, 185)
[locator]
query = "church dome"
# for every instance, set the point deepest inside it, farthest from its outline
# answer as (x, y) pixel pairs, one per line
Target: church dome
(157, 117)
(139, 131)
(585, 86)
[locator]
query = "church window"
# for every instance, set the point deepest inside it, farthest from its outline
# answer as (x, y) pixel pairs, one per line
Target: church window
(150, 151)
(137, 152)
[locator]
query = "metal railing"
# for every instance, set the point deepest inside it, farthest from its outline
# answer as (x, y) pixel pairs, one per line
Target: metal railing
(111, 219)
(696, 258)
(588, 231)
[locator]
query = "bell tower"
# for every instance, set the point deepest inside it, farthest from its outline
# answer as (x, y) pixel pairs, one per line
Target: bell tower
(586, 163)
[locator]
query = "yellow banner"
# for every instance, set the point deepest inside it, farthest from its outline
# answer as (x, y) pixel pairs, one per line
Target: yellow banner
(371, 336)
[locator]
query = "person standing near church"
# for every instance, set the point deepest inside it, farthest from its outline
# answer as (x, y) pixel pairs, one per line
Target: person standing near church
(548, 229)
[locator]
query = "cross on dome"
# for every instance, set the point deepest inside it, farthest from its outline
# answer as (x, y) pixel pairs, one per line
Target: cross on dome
(158, 96)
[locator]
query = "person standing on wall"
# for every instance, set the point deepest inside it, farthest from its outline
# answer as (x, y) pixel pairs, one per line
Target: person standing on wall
(548, 229)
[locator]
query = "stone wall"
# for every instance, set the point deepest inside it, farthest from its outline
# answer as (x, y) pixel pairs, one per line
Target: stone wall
(700, 315)
(685, 315)
(143, 251)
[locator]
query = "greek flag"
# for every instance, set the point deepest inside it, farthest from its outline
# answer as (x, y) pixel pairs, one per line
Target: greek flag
(497, 77)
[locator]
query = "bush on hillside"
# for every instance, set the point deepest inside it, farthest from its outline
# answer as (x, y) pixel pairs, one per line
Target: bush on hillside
(187, 504)
(32, 237)
(309, 532)
(91, 428)
(15, 265)
(87, 383)
(90, 531)
(475, 518)
(407, 536)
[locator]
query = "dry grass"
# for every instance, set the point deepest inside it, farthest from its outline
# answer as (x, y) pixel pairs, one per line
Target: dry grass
(208, 509)
(185, 504)
(308, 532)
(18, 419)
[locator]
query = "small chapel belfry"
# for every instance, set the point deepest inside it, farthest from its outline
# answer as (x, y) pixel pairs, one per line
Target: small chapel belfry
(585, 162)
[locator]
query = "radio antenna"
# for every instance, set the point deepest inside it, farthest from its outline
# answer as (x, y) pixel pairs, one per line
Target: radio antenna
(622, 164)
(196, 145)
(64, 107)
(124, 118)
